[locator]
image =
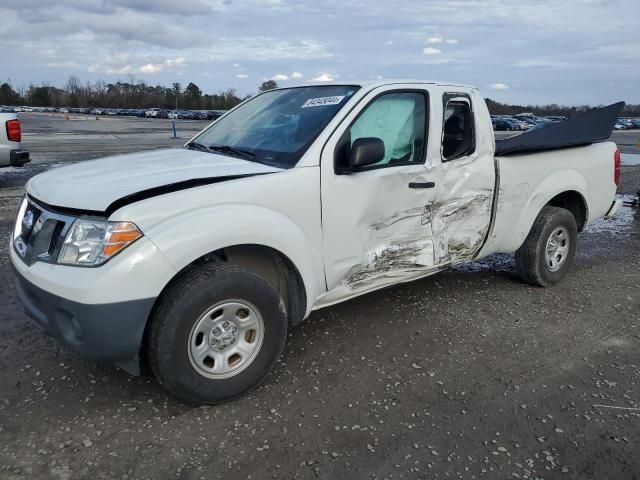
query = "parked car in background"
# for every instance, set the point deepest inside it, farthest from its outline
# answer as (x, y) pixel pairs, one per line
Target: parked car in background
(200, 115)
(152, 113)
(626, 123)
(503, 124)
(11, 152)
(215, 114)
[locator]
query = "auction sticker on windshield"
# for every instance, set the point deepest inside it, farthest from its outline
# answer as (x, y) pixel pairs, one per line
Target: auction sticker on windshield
(322, 101)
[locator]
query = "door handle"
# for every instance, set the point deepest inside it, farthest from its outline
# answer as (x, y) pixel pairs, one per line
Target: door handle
(421, 184)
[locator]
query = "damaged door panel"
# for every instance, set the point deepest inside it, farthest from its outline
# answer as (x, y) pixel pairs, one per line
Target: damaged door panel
(397, 223)
(377, 220)
(462, 213)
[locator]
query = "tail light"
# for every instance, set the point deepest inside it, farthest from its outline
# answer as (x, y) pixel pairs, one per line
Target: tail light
(14, 133)
(616, 167)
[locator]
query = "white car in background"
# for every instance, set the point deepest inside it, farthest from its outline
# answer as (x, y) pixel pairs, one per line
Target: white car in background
(152, 113)
(11, 153)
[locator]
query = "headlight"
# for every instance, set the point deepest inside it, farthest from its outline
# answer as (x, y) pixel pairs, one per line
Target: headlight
(93, 242)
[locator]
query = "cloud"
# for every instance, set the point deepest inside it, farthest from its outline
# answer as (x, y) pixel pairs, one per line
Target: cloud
(296, 75)
(122, 64)
(499, 86)
(280, 77)
(65, 65)
(543, 63)
(183, 7)
(242, 76)
(431, 51)
(325, 77)
(150, 68)
(104, 39)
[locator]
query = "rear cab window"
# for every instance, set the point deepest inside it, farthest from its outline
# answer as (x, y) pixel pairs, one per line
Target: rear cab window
(458, 135)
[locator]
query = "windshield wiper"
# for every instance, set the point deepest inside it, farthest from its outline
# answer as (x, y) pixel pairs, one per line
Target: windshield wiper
(197, 146)
(235, 150)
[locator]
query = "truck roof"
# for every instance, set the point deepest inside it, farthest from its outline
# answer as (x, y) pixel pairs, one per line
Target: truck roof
(371, 84)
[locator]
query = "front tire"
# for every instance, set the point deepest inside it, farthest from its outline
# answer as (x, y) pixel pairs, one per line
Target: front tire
(547, 252)
(216, 333)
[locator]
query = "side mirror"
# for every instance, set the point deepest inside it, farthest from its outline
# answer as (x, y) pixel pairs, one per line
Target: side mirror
(366, 151)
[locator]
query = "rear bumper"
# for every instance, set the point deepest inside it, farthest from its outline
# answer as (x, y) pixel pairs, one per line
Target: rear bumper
(111, 331)
(613, 210)
(18, 158)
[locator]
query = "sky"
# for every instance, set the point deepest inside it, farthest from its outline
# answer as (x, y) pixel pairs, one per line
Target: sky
(568, 52)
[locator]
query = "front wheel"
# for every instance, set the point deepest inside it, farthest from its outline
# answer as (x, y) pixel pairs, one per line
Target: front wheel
(547, 252)
(216, 333)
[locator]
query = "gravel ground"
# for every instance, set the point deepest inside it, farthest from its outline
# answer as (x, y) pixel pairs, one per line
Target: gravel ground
(467, 374)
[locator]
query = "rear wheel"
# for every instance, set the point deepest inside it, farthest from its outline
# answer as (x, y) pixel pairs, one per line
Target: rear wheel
(216, 333)
(547, 252)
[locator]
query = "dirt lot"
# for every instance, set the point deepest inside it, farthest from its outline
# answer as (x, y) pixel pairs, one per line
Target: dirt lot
(468, 374)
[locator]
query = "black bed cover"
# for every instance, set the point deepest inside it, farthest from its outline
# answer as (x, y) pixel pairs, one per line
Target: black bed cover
(585, 128)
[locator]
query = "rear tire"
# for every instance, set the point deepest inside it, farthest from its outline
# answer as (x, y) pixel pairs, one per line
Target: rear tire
(216, 333)
(547, 252)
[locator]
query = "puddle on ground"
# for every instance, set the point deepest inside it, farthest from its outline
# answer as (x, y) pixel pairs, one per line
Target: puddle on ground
(497, 262)
(621, 223)
(9, 171)
(630, 159)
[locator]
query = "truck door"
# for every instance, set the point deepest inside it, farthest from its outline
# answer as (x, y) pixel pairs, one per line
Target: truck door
(376, 219)
(464, 196)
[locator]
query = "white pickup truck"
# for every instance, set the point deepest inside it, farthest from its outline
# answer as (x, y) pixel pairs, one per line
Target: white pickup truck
(198, 260)
(11, 153)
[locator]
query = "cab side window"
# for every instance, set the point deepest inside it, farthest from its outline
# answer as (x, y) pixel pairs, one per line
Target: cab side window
(458, 139)
(398, 119)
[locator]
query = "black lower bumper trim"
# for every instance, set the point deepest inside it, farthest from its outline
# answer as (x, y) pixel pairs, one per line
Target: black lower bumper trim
(18, 158)
(111, 331)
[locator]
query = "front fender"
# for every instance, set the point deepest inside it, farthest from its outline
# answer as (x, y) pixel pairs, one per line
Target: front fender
(187, 237)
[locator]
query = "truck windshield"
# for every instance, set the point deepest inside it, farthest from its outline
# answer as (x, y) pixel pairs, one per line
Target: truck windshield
(277, 127)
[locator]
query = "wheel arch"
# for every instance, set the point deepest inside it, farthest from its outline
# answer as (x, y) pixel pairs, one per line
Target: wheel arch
(273, 265)
(575, 202)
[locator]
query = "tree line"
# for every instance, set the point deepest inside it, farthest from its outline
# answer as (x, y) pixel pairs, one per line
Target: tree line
(121, 94)
(132, 94)
(497, 108)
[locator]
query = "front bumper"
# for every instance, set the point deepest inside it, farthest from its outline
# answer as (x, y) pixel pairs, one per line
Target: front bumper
(110, 331)
(100, 312)
(17, 158)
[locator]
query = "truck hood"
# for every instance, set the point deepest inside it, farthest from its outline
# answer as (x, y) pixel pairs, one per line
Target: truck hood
(106, 184)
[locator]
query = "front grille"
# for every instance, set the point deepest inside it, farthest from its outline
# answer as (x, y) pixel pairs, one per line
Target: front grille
(39, 233)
